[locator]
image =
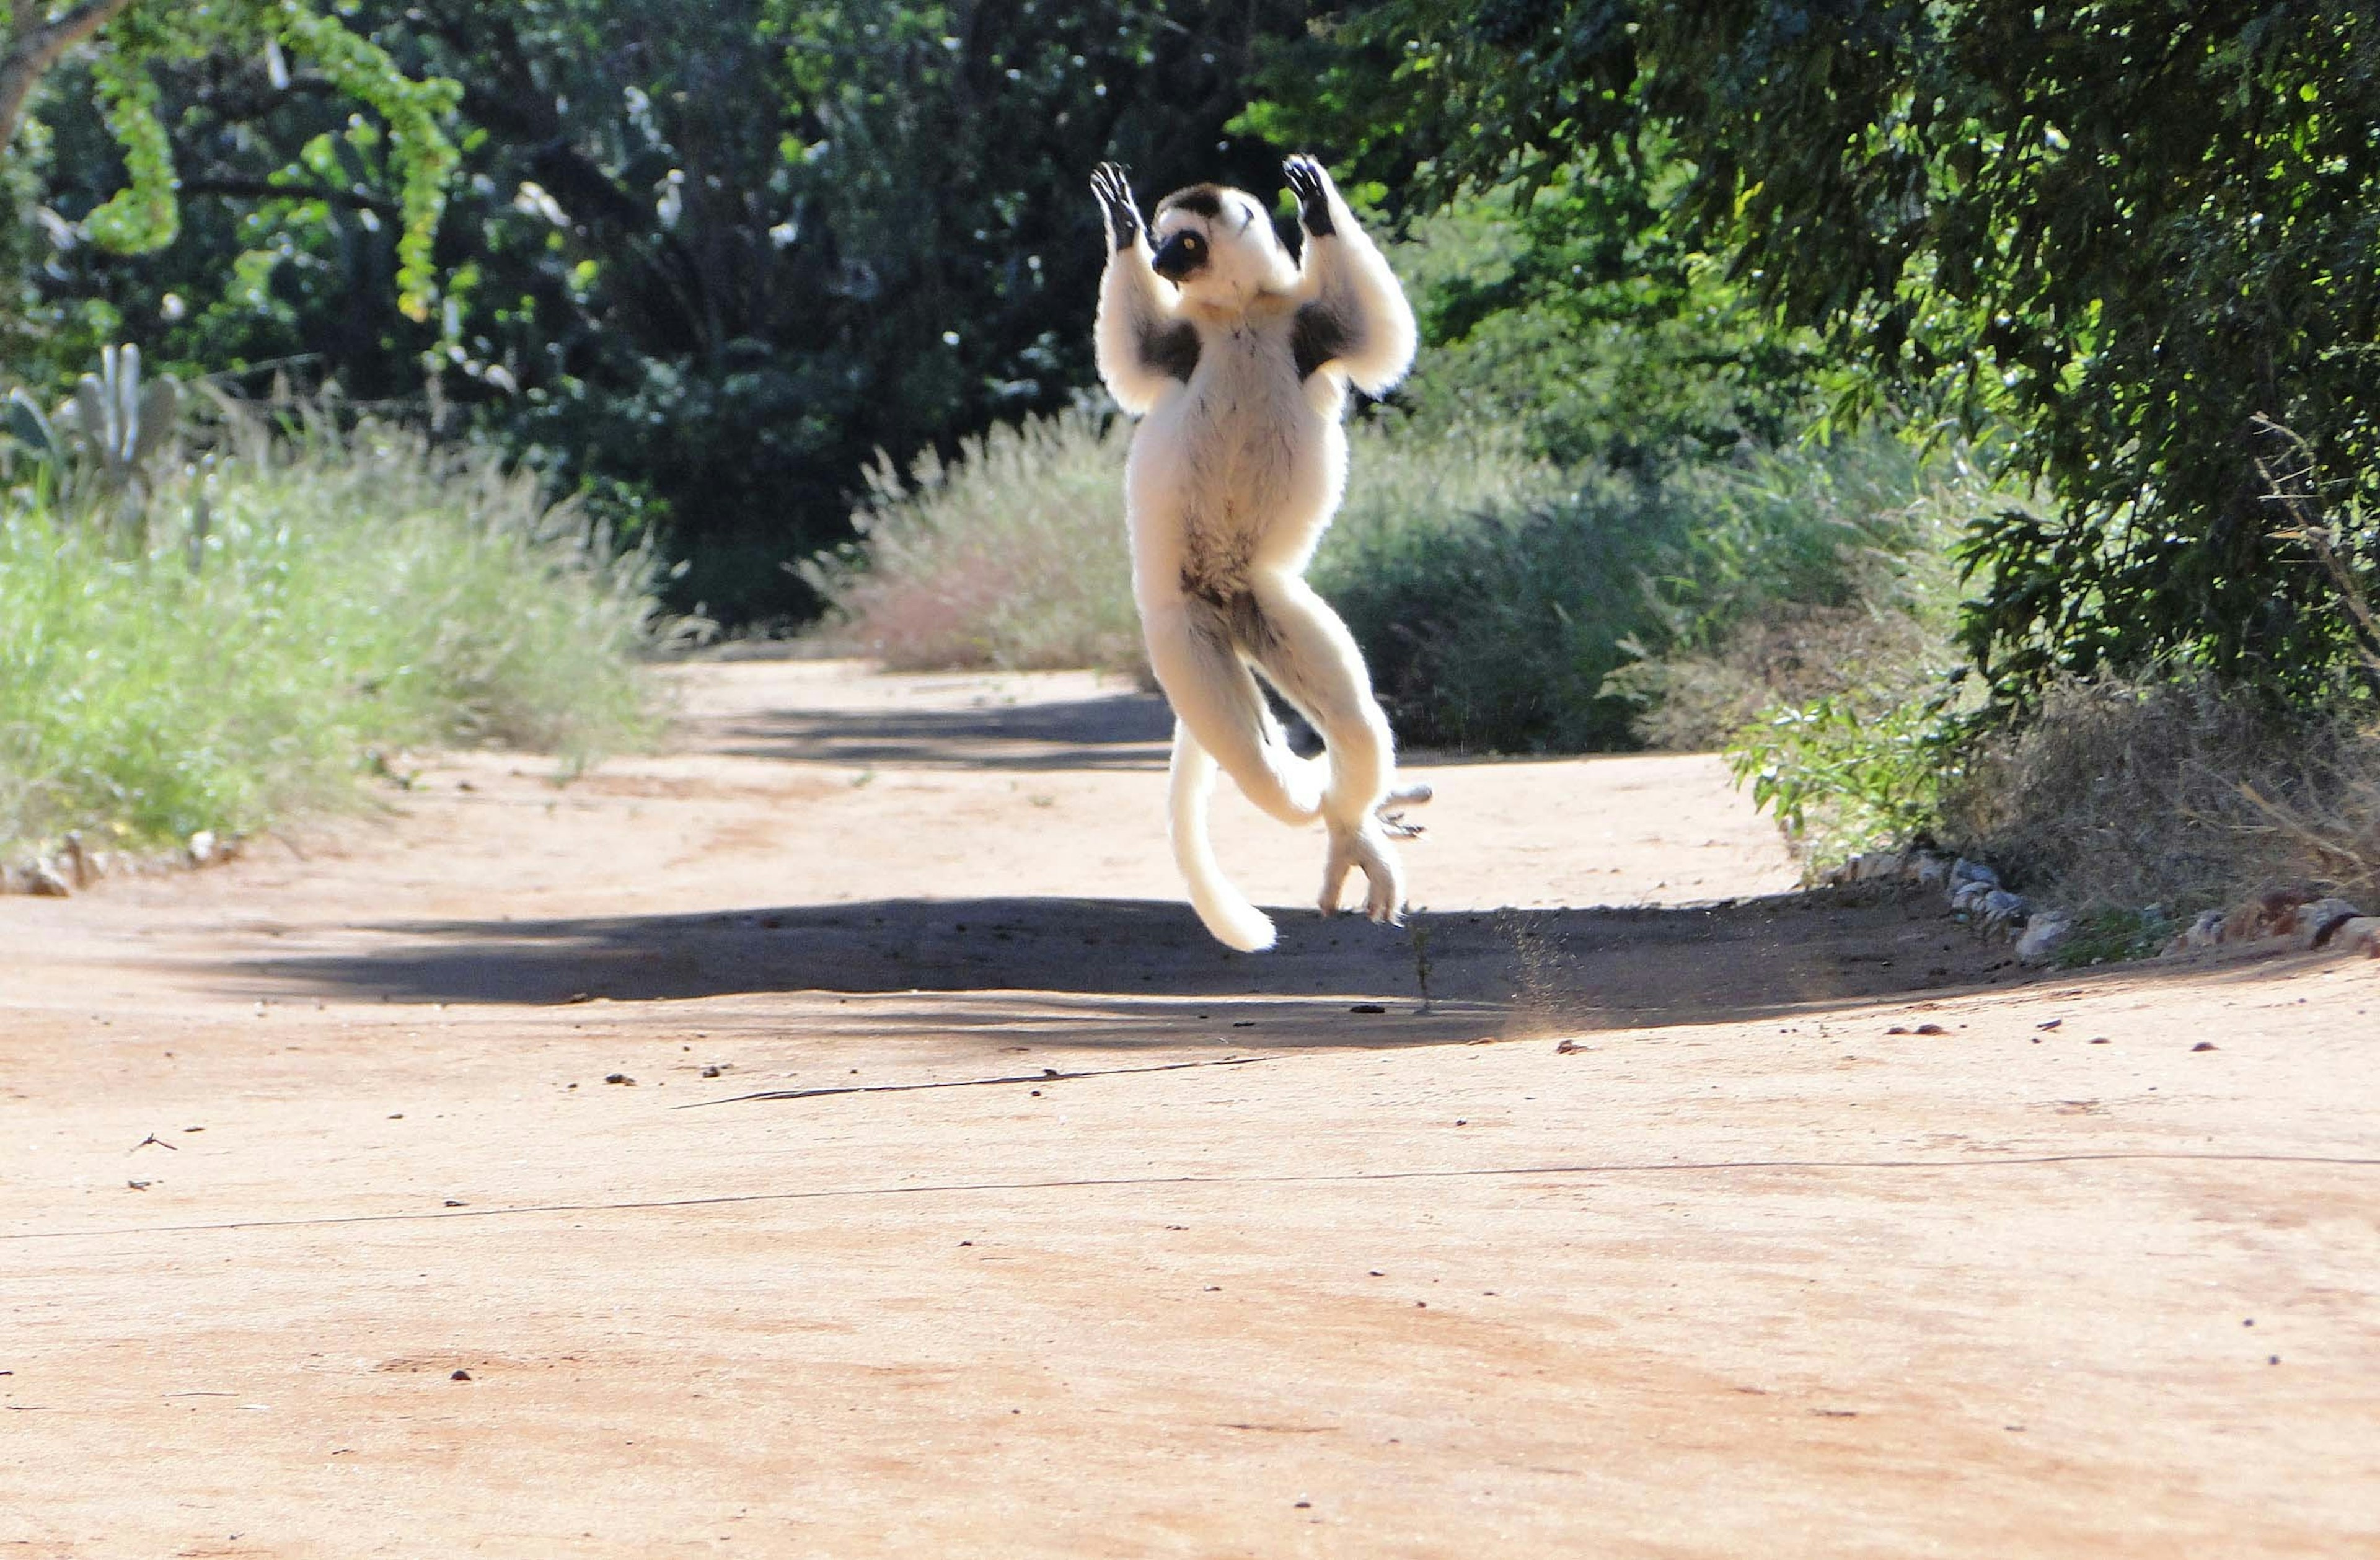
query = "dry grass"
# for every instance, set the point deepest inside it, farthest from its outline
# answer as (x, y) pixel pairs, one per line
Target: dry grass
(1012, 555)
(2127, 793)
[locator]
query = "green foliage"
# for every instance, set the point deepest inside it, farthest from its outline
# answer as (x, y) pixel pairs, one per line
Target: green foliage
(1521, 625)
(1496, 629)
(142, 215)
(701, 260)
(2130, 230)
(123, 64)
(295, 607)
(2112, 933)
(1581, 319)
(417, 147)
(1842, 776)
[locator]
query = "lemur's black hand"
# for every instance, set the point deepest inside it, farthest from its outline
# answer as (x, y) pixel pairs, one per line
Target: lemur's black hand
(1112, 182)
(1311, 185)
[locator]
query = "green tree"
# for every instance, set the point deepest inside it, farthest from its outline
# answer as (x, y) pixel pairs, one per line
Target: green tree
(125, 45)
(2141, 232)
(702, 258)
(1582, 321)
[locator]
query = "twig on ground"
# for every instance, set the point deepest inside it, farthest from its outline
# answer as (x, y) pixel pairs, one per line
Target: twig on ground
(1047, 1074)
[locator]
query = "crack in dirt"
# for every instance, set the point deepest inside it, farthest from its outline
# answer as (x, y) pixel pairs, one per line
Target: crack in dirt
(2015, 1161)
(1047, 1074)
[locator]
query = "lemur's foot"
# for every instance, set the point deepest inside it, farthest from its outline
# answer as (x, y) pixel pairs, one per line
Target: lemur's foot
(1384, 877)
(1310, 182)
(1111, 183)
(1391, 812)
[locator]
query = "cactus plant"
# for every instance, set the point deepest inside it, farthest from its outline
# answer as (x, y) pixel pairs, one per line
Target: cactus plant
(31, 434)
(124, 424)
(97, 451)
(121, 425)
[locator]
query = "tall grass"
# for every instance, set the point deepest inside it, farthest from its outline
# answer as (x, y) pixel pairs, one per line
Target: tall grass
(1012, 555)
(292, 607)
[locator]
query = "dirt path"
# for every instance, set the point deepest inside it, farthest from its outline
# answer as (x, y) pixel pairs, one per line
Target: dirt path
(1278, 1264)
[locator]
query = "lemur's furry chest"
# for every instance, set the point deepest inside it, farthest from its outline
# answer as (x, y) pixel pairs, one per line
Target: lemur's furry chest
(1254, 448)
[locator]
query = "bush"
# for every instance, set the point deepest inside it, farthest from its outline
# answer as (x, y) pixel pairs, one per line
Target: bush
(1574, 623)
(2126, 792)
(1842, 776)
(1497, 628)
(1013, 555)
(2131, 802)
(286, 609)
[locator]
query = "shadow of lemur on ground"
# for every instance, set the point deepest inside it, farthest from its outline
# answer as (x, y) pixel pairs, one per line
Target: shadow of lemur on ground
(1119, 731)
(1127, 964)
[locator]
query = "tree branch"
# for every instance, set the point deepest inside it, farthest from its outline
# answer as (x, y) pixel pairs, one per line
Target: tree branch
(239, 188)
(31, 52)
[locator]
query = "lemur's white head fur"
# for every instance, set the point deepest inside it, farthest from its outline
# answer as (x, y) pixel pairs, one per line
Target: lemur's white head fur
(1217, 244)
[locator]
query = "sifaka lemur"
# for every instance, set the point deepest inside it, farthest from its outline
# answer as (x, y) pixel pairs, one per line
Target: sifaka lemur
(1238, 359)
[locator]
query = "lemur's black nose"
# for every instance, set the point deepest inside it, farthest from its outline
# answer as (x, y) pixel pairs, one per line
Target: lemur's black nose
(1179, 256)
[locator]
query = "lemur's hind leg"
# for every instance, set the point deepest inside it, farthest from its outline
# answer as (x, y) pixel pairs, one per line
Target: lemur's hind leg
(1191, 648)
(1307, 653)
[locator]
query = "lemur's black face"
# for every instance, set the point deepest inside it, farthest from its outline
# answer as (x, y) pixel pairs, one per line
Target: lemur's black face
(1217, 246)
(1181, 256)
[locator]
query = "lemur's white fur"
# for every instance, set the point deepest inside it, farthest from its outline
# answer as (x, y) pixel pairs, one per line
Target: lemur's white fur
(1240, 373)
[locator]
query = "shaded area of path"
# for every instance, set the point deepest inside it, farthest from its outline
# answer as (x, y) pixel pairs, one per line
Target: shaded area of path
(350, 1205)
(1572, 969)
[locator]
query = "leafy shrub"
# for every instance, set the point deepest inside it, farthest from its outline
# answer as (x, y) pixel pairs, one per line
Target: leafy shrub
(1864, 617)
(1788, 656)
(2133, 801)
(1496, 629)
(293, 607)
(1566, 624)
(1841, 778)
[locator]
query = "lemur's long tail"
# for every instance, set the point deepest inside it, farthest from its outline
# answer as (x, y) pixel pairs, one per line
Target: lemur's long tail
(1226, 912)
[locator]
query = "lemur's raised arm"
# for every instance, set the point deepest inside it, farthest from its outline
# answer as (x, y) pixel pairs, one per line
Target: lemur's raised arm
(1354, 318)
(1142, 346)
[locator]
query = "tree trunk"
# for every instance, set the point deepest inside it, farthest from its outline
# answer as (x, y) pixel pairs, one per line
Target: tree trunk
(33, 49)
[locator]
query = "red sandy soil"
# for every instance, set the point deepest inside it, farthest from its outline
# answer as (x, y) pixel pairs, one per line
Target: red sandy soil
(1644, 1237)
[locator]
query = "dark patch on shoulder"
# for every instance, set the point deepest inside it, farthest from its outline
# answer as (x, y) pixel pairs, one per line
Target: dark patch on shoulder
(1316, 337)
(1206, 199)
(1171, 351)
